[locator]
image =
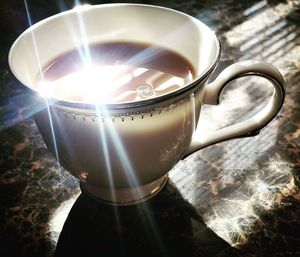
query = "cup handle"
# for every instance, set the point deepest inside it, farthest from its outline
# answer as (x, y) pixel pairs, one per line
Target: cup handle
(253, 125)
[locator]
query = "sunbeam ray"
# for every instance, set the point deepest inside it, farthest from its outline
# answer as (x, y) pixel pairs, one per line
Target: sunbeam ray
(104, 145)
(41, 74)
(119, 147)
(86, 55)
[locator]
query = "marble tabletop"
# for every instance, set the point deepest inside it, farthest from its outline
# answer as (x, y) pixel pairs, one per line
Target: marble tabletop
(237, 198)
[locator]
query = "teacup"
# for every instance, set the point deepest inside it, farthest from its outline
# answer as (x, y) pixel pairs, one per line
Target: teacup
(122, 153)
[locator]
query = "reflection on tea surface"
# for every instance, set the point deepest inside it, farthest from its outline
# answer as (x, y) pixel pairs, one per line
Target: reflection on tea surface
(115, 72)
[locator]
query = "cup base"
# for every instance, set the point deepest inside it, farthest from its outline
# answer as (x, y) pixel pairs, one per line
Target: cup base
(125, 196)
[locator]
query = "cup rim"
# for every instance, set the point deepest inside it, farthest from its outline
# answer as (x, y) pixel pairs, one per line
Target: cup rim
(119, 106)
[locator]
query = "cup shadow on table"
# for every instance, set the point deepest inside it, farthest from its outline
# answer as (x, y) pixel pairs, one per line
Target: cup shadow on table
(166, 225)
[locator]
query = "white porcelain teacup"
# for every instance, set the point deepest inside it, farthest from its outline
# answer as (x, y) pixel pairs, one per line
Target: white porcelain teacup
(122, 153)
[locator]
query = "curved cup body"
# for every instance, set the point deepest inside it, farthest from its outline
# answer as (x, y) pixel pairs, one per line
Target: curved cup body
(121, 148)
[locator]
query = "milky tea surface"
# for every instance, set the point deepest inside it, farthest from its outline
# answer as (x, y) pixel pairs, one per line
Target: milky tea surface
(115, 72)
